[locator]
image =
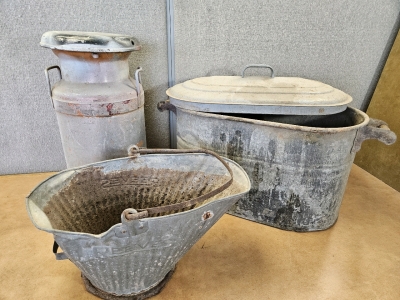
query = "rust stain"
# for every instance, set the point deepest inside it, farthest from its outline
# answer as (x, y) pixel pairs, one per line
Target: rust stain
(84, 206)
(79, 113)
(102, 56)
(109, 108)
(207, 215)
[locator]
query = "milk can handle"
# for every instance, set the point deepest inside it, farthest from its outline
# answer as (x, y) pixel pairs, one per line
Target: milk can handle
(138, 79)
(131, 214)
(46, 73)
(375, 129)
(259, 66)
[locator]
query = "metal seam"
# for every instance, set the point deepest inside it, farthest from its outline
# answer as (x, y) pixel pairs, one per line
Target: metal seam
(171, 67)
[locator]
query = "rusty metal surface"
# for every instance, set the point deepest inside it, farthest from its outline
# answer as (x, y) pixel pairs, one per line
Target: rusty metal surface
(82, 208)
(99, 107)
(89, 41)
(107, 296)
(298, 165)
(132, 214)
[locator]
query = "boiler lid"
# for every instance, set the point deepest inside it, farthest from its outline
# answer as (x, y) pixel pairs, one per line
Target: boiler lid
(89, 41)
(258, 95)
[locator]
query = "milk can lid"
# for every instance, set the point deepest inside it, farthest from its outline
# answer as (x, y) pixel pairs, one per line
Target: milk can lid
(258, 95)
(89, 41)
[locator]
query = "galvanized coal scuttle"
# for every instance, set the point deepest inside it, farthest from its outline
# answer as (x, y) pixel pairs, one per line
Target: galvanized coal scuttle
(296, 138)
(126, 222)
(99, 107)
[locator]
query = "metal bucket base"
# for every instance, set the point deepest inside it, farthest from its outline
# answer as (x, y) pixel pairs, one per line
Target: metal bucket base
(147, 294)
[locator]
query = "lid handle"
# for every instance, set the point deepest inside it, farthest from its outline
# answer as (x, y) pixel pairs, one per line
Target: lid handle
(259, 66)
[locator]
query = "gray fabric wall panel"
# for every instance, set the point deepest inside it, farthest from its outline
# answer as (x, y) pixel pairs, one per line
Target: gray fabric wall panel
(337, 42)
(29, 139)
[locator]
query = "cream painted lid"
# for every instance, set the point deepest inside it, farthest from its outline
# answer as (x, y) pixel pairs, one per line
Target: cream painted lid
(258, 95)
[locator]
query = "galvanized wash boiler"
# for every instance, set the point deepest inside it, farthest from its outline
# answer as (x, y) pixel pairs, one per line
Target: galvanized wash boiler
(296, 138)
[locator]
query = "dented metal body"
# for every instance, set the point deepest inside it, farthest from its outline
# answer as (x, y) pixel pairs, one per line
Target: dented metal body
(82, 208)
(295, 137)
(91, 139)
(298, 165)
(99, 107)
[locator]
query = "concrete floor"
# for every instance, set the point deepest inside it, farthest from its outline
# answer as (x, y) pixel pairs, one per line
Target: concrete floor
(358, 258)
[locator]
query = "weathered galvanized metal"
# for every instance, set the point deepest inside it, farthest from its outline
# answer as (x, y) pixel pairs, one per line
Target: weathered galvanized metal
(82, 208)
(99, 107)
(298, 164)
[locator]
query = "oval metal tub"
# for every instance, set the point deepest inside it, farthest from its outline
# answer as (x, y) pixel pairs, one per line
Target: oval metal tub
(298, 165)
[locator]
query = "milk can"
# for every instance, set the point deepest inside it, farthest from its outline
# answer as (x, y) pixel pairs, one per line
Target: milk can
(99, 107)
(296, 138)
